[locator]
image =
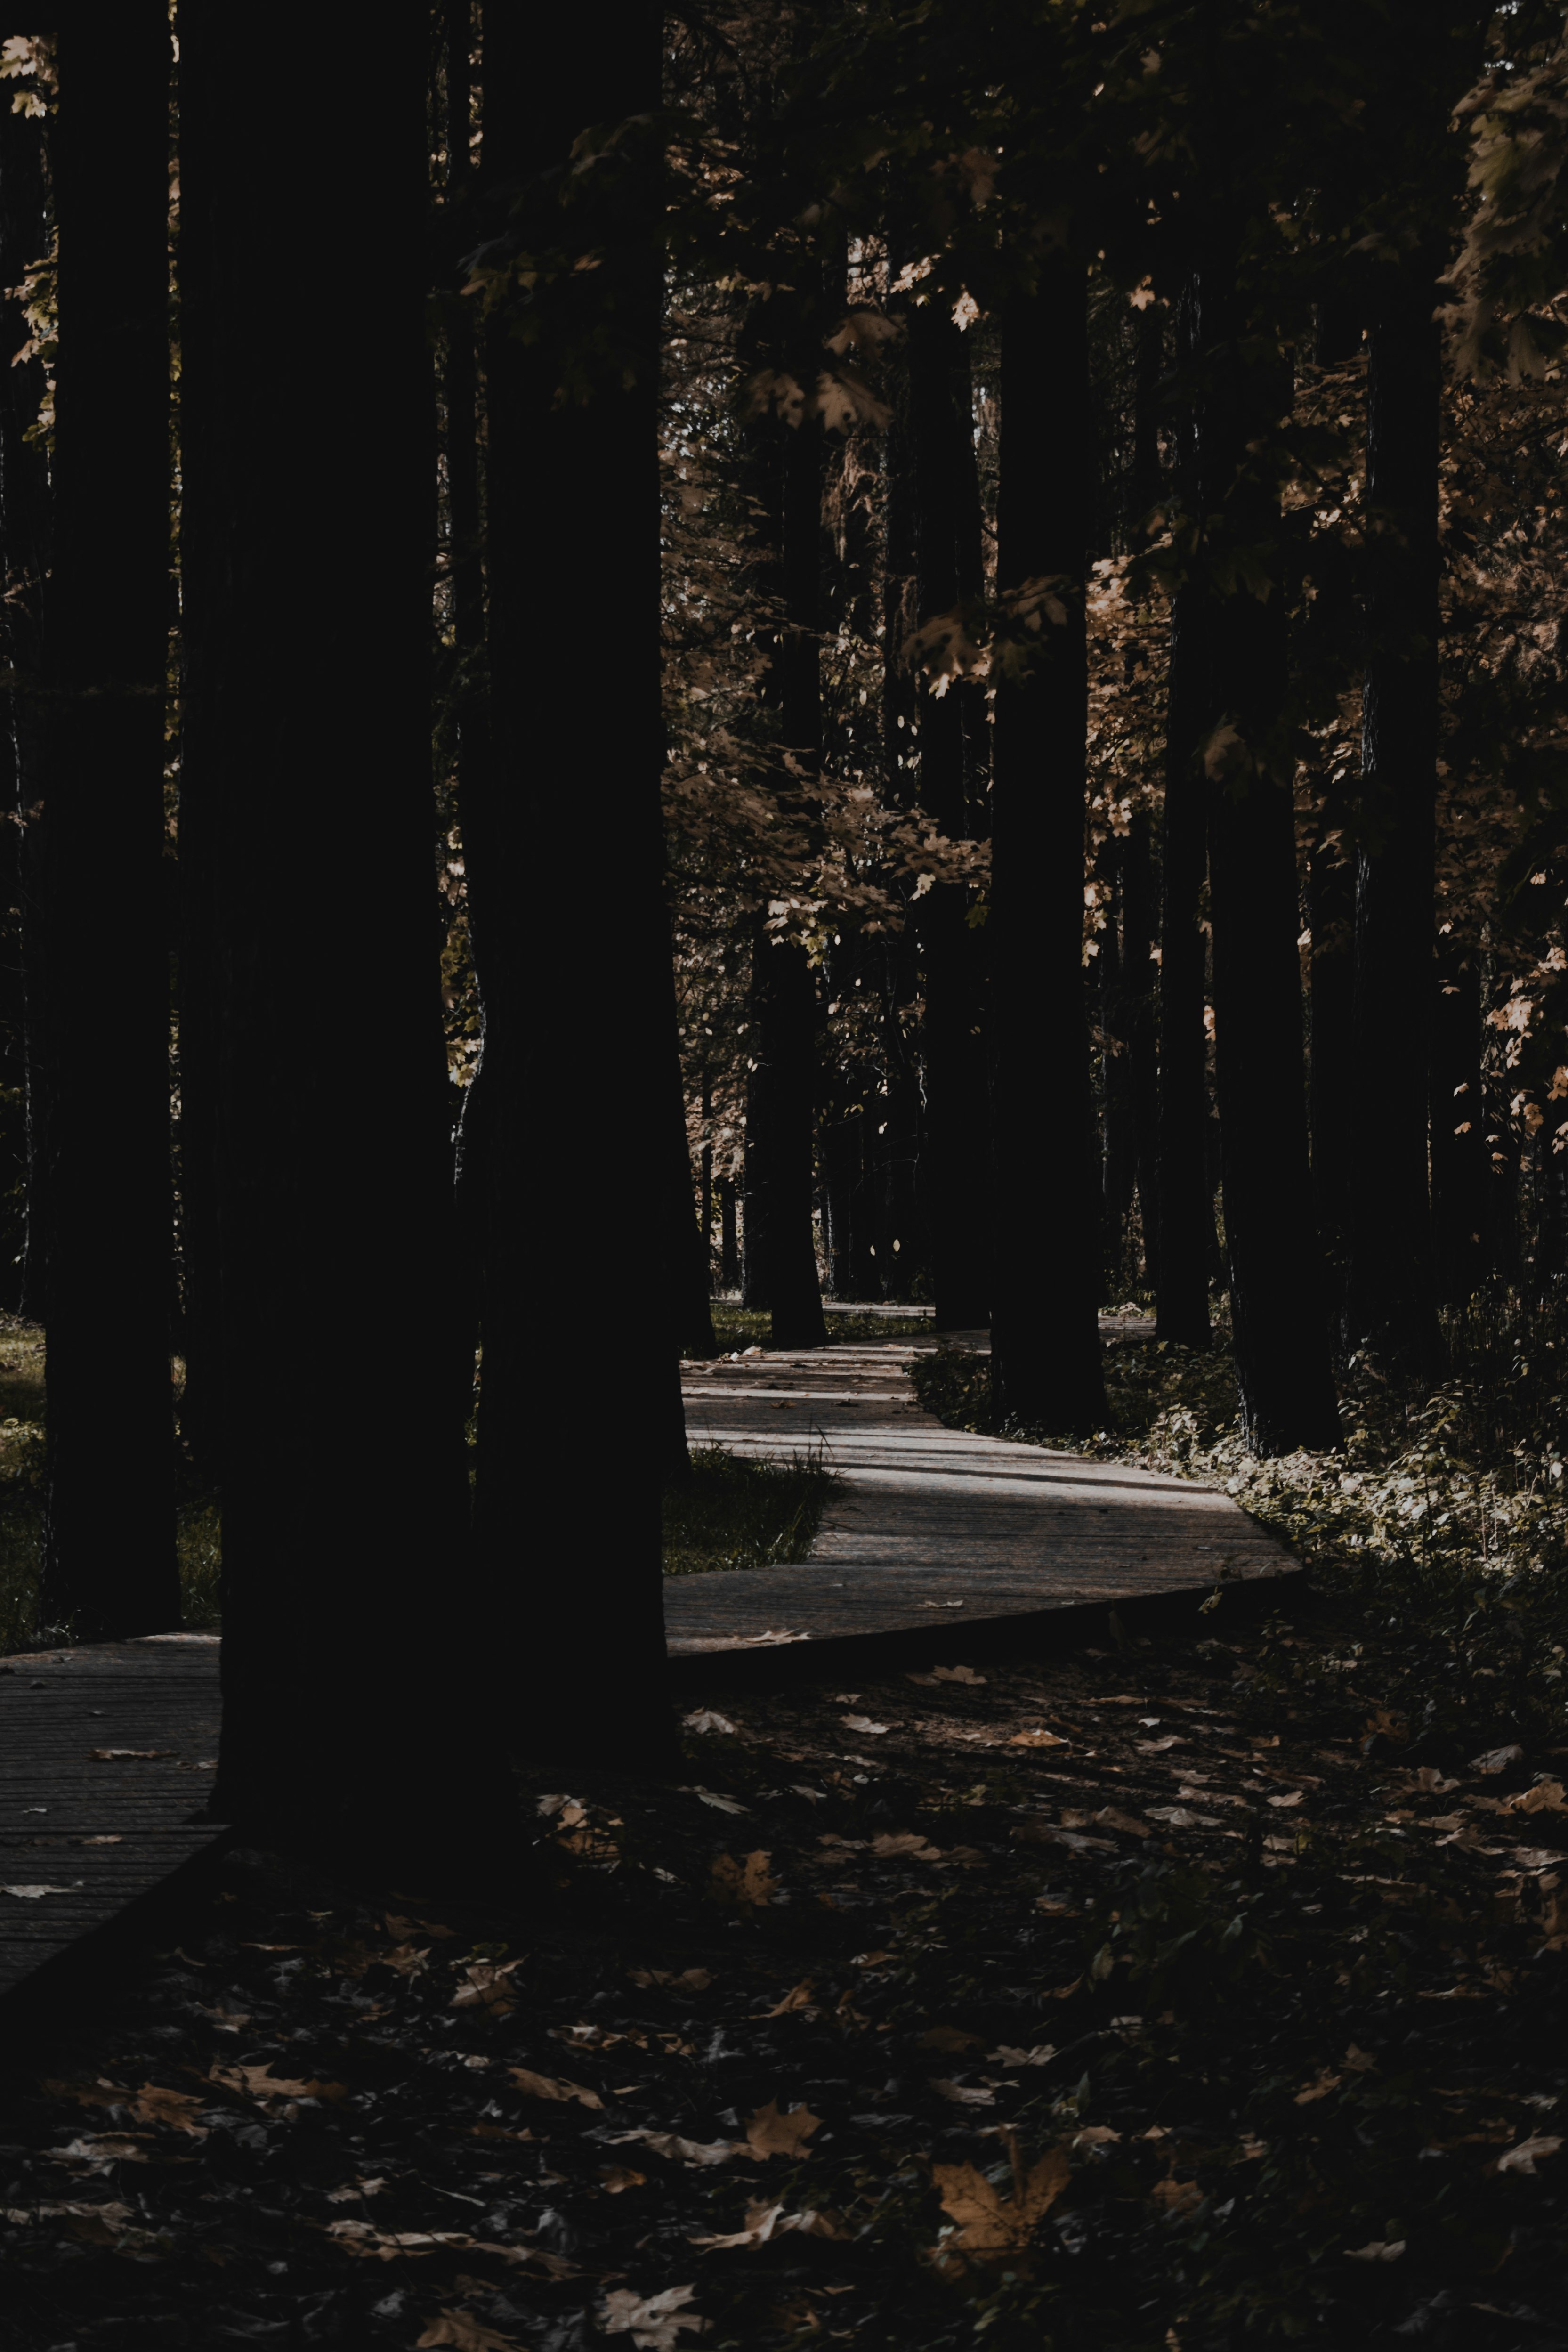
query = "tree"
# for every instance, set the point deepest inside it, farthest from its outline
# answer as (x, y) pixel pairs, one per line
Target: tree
(109, 1545)
(572, 520)
(1045, 1360)
(345, 1566)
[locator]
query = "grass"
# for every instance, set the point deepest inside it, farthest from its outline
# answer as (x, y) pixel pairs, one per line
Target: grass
(736, 1329)
(736, 1513)
(1442, 1523)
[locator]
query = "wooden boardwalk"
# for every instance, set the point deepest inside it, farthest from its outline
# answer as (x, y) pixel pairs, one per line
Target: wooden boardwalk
(934, 1520)
(107, 1754)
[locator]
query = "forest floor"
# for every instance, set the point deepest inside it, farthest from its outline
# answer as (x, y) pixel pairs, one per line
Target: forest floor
(1184, 1996)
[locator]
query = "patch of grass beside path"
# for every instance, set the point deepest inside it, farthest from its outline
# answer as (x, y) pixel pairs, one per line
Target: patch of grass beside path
(736, 1329)
(738, 1514)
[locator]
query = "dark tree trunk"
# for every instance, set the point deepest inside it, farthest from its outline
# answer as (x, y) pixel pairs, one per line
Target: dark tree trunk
(729, 1239)
(780, 1241)
(1185, 1241)
(25, 533)
(1045, 1333)
(1278, 1323)
(109, 1539)
(955, 1139)
(573, 503)
(685, 1250)
(1389, 1298)
(1459, 1128)
(1118, 1162)
(347, 1710)
(1138, 969)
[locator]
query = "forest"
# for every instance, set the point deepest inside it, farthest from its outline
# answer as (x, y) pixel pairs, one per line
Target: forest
(1034, 537)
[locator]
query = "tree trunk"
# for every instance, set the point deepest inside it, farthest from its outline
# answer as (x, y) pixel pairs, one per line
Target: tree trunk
(728, 1240)
(109, 1539)
(24, 535)
(1460, 1159)
(1185, 1219)
(347, 1708)
(1279, 1324)
(1138, 969)
(572, 505)
(1390, 1302)
(1045, 1336)
(955, 1139)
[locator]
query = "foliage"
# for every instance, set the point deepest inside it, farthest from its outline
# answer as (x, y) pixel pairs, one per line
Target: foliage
(731, 1513)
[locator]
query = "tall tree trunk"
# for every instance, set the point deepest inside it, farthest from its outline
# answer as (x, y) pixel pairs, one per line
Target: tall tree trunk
(1389, 1296)
(1459, 1128)
(1185, 1219)
(1139, 916)
(24, 533)
(728, 1238)
(1279, 1324)
(347, 1712)
(572, 504)
(1045, 1333)
(685, 1248)
(781, 1096)
(955, 1153)
(1118, 1162)
(109, 1535)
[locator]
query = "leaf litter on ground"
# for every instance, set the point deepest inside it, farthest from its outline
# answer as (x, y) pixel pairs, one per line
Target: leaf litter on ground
(916, 2055)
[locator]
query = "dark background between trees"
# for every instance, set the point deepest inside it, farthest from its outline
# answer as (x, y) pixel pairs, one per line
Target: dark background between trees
(869, 650)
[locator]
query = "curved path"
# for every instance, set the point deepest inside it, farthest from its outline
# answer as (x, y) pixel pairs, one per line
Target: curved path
(931, 1519)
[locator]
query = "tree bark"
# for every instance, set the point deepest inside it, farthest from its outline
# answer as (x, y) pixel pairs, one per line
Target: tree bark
(573, 524)
(1390, 1302)
(1045, 1342)
(109, 1538)
(24, 535)
(347, 1706)
(954, 1137)
(1278, 1325)
(1185, 1218)
(1459, 1159)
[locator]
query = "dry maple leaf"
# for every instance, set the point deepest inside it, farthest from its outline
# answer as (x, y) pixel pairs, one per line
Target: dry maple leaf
(905, 1841)
(706, 1720)
(485, 1987)
(776, 2131)
(1176, 2197)
(129, 1755)
(964, 2094)
(154, 2104)
(766, 2221)
(682, 2151)
(1039, 1738)
(1110, 1818)
(464, 2334)
(261, 2082)
(547, 2087)
(1522, 2157)
(743, 1886)
(863, 1724)
(798, 1997)
(615, 2177)
(101, 2150)
(652, 2321)
(956, 1675)
(990, 2226)
(1497, 1760)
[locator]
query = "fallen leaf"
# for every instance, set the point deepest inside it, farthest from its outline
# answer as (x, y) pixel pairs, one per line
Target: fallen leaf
(1378, 2251)
(1498, 1760)
(1109, 1818)
(127, 1755)
(33, 1894)
(766, 2222)
(464, 2334)
(106, 1840)
(154, 2104)
(1523, 2158)
(547, 2087)
(721, 1804)
(1158, 1746)
(484, 1987)
(905, 1841)
(864, 1723)
(652, 2321)
(102, 2149)
(798, 1997)
(1177, 2196)
(1430, 1780)
(698, 1980)
(1179, 1817)
(948, 2037)
(964, 2094)
(260, 2083)
(1096, 2136)
(990, 2225)
(1037, 1740)
(1281, 1803)
(776, 2131)
(1546, 1796)
(1040, 2055)
(683, 2151)
(956, 1674)
(615, 2177)
(706, 1719)
(1319, 2089)
(743, 1886)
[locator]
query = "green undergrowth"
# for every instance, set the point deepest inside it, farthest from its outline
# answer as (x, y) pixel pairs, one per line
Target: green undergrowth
(734, 1514)
(736, 1329)
(1441, 1526)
